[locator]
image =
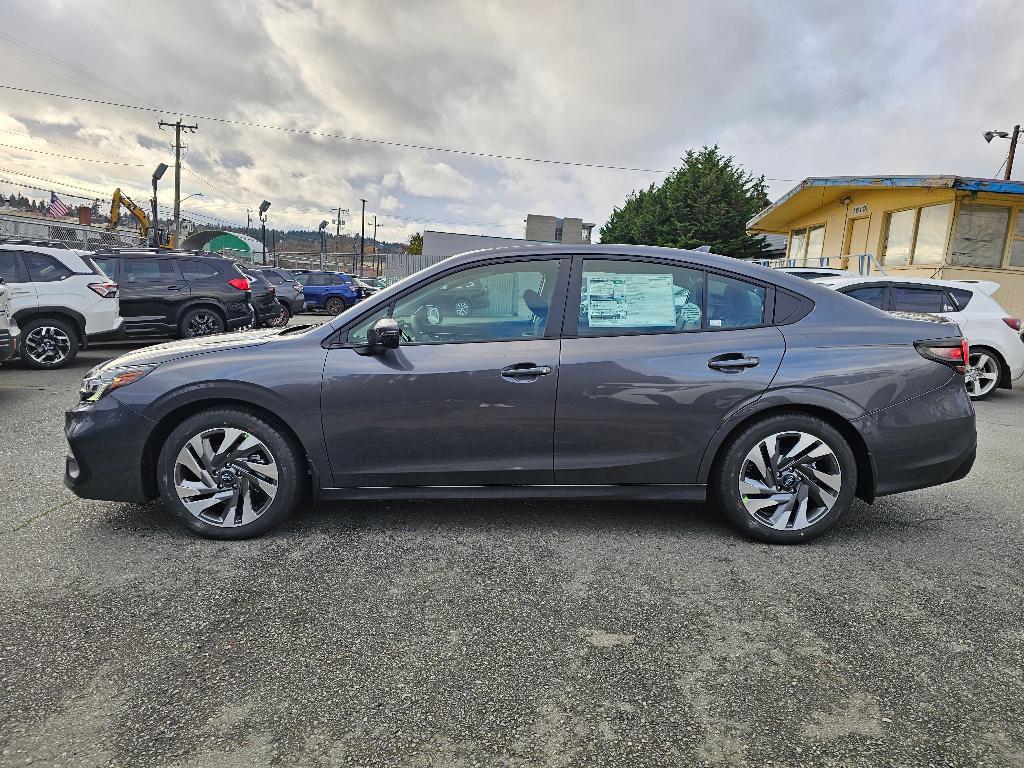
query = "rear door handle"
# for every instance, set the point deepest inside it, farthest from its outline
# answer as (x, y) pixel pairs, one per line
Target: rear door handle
(174, 287)
(521, 371)
(733, 362)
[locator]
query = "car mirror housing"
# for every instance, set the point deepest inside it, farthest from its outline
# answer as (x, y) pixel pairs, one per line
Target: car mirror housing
(383, 335)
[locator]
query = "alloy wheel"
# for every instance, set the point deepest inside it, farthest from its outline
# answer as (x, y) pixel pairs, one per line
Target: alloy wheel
(47, 345)
(225, 477)
(203, 324)
(982, 375)
(790, 480)
(462, 308)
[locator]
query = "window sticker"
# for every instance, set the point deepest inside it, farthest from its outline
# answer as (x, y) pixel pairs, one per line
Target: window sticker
(635, 301)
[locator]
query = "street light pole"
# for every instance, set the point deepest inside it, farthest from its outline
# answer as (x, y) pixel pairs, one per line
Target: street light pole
(263, 230)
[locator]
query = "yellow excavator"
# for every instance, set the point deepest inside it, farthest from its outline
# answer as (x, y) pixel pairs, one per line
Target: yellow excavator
(157, 237)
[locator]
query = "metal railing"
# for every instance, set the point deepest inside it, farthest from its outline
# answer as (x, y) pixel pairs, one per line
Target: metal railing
(861, 263)
(66, 233)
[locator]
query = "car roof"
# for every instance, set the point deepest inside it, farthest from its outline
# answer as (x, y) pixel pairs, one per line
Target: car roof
(842, 282)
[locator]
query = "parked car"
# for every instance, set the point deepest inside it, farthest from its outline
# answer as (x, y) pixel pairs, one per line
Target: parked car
(268, 310)
(780, 417)
(60, 299)
(375, 282)
(366, 287)
(9, 331)
(178, 293)
(461, 297)
(289, 290)
(332, 292)
(997, 354)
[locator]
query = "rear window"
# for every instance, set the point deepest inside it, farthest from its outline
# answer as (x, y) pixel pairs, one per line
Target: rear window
(44, 269)
(342, 279)
(147, 270)
(872, 295)
(196, 269)
(318, 279)
(960, 297)
(921, 300)
(107, 265)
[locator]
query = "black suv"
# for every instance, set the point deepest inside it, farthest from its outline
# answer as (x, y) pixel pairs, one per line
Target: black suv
(178, 293)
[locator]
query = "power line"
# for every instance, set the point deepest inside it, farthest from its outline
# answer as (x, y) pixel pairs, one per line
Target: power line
(69, 157)
(339, 136)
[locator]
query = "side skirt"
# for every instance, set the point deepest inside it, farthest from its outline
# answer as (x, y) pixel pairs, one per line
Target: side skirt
(690, 493)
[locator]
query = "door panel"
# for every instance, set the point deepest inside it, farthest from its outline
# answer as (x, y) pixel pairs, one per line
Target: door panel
(151, 290)
(642, 408)
(22, 291)
(441, 414)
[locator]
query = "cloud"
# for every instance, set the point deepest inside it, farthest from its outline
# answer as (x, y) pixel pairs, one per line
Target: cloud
(790, 88)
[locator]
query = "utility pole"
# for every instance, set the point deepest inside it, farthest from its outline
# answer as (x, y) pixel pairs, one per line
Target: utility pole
(337, 229)
(362, 237)
(375, 242)
(178, 128)
(1013, 148)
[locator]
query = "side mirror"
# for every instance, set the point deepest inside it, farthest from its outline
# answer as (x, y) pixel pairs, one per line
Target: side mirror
(384, 334)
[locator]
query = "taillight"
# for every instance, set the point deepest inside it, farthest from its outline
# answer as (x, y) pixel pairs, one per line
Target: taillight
(240, 283)
(1013, 322)
(952, 352)
(105, 290)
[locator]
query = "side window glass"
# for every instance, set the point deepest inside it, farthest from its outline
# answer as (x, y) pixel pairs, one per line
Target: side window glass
(919, 300)
(341, 280)
(734, 303)
(44, 269)
(871, 295)
(498, 302)
(147, 271)
(9, 266)
(639, 297)
(315, 280)
(193, 269)
(108, 265)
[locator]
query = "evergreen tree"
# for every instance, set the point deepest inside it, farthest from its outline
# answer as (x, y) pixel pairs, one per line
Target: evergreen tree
(415, 245)
(705, 201)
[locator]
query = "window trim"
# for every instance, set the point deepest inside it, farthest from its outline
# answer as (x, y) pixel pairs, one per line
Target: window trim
(339, 339)
(570, 324)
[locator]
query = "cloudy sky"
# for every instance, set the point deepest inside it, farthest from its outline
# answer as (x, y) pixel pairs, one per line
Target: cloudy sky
(792, 88)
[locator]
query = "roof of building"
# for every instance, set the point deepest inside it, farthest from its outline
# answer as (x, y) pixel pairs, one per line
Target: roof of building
(815, 192)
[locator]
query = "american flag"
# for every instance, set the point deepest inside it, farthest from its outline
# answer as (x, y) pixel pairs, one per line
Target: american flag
(57, 206)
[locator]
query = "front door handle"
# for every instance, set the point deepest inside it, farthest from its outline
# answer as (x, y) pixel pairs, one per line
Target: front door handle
(524, 371)
(174, 287)
(734, 362)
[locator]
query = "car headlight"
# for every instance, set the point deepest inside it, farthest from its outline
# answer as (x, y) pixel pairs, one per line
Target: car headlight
(100, 381)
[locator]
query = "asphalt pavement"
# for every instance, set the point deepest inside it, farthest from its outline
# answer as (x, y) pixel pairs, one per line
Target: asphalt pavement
(505, 633)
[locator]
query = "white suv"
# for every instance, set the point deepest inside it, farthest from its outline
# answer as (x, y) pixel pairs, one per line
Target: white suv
(8, 325)
(997, 351)
(61, 300)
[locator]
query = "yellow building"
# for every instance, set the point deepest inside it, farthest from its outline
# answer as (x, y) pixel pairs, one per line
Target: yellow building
(948, 227)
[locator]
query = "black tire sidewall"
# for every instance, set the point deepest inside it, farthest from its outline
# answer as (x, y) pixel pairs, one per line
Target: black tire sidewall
(183, 325)
(65, 326)
(726, 486)
(288, 457)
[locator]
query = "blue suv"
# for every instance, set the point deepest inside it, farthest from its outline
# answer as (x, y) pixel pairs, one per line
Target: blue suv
(332, 292)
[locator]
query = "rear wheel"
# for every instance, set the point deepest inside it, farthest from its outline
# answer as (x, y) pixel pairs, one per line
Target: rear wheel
(48, 343)
(786, 479)
(229, 474)
(335, 305)
(200, 322)
(983, 373)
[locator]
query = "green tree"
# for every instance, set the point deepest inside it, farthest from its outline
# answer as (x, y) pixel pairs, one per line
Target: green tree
(705, 201)
(415, 245)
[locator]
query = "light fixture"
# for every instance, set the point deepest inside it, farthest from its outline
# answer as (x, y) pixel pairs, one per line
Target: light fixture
(845, 200)
(159, 172)
(264, 206)
(323, 225)
(989, 135)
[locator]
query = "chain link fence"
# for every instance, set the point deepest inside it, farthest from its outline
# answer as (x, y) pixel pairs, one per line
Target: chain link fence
(66, 233)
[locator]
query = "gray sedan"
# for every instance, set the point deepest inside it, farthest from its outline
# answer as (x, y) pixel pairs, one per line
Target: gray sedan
(593, 372)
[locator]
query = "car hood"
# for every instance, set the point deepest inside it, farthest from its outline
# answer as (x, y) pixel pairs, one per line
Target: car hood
(161, 353)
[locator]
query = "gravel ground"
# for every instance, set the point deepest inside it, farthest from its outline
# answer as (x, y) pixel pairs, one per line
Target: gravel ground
(505, 633)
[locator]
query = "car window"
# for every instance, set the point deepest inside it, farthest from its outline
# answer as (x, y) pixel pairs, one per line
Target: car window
(194, 269)
(960, 297)
(734, 303)
(358, 333)
(639, 297)
(872, 294)
(44, 269)
(9, 266)
(315, 280)
(147, 270)
(921, 300)
(506, 302)
(273, 276)
(107, 264)
(341, 279)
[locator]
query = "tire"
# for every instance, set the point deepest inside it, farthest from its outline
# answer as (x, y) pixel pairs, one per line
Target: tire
(201, 321)
(286, 314)
(335, 305)
(783, 519)
(462, 308)
(48, 343)
(983, 374)
(214, 497)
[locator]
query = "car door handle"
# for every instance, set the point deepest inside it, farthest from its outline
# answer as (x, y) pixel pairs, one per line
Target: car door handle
(733, 362)
(528, 371)
(175, 287)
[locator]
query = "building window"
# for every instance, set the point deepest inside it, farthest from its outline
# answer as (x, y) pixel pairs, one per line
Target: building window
(917, 235)
(1017, 246)
(807, 243)
(979, 236)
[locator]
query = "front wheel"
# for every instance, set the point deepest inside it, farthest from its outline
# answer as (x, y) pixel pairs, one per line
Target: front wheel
(983, 373)
(229, 474)
(48, 343)
(786, 479)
